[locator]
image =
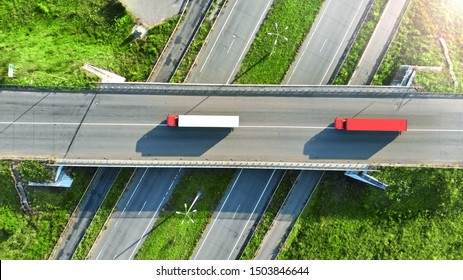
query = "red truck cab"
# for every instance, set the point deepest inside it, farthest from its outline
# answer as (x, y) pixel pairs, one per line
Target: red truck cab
(172, 120)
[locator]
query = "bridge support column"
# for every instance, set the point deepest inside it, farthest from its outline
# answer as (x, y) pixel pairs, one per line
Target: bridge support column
(364, 177)
(61, 180)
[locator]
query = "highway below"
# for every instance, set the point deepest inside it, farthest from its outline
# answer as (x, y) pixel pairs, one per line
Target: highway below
(99, 187)
(272, 129)
(239, 210)
(135, 213)
(219, 60)
(288, 214)
(327, 41)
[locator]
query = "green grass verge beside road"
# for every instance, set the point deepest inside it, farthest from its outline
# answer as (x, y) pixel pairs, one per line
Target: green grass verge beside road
(49, 41)
(270, 213)
(34, 171)
(103, 213)
(417, 43)
(259, 67)
(33, 237)
(174, 237)
(355, 53)
(419, 216)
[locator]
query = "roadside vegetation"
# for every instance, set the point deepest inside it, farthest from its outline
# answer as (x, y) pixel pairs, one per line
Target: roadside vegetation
(103, 213)
(274, 205)
(174, 236)
(419, 216)
(49, 41)
(358, 47)
(417, 43)
(34, 171)
(198, 42)
(265, 64)
(32, 237)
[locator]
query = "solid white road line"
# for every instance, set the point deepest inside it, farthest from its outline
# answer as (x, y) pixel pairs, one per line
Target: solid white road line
(242, 126)
(216, 218)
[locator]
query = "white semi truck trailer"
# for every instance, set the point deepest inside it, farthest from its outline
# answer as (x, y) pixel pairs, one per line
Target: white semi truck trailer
(203, 121)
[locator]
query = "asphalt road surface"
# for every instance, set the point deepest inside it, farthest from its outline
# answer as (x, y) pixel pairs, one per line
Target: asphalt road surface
(136, 214)
(229, 41)
(152, 12)
(291, 129)
(237, 214)
(100, 185)
(321, 51)
(379, 42)
(285, 219)
(177, 47)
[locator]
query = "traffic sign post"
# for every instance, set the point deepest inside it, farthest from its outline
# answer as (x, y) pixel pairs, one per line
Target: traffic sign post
(10, 70)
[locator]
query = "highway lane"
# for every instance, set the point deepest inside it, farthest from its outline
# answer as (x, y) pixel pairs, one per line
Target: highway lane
(229, 41)
(325, 44)
(39, 107)
(379, 43)
(237, 214)
(300, 193)
(136, 213)
(100, 185)
(292, 129)
(219, 62)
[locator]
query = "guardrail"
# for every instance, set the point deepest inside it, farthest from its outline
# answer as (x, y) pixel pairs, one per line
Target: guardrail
(215, 164)
(246, 90)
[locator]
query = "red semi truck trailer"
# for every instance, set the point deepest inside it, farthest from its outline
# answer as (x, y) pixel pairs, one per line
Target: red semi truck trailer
(371, 124)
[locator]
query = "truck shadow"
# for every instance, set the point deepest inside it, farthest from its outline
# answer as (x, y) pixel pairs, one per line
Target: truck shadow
(179, 141)
(345, 145)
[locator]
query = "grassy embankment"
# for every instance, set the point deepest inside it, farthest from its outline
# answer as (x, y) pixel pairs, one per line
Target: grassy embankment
(49, 41)
(33, 237)
(174, 237)
(356, 51)
(417, 43)
(103, 213)
(270, 213)
(258, 66)
(419, 216)
(198, 42)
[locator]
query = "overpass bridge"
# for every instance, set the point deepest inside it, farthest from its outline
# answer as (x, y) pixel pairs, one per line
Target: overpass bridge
(280, 126)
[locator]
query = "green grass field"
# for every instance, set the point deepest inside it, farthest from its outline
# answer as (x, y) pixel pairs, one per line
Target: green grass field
(258, 66)
(174, 237)
(419, 216)
(417, 43)
(33, 237)
(49, 41)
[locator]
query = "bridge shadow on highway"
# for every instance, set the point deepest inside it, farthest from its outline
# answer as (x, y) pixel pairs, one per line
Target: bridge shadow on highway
(180, 141)
(345, 145)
